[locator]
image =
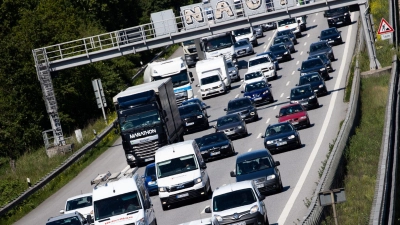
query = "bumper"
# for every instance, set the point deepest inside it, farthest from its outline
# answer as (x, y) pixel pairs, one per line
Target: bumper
(249, 219)
(216, 153)
(183, 195)
(263, 100)
(299, 123)
(269, 186)
(269, 74)
(212, 92)
(284, 58)
(321, 91)
(234, 133)
(339, 21)
(243, 52)
(153, 189)
(195, 124)
(290, 144)
(311, 104)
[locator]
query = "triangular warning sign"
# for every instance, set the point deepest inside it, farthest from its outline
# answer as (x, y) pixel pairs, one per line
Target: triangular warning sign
(385, 27)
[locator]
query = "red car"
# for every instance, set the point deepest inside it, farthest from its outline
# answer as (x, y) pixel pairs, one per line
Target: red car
(295, 114)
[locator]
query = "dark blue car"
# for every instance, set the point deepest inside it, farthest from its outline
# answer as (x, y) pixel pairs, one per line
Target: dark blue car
(281, 52)
(259, 166)
(259, 92)
(150, 180)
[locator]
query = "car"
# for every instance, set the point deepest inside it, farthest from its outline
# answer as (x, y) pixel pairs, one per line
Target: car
(288, 33)
(321, 47)
(314, 65)
(233, 71)
(259, 92)
(241, 48)
(259, 166)
(305, 96)
(238, 203)
(193, 117)
(325, 59)
(74, 218)
(281, 51)
(269, 26)
(259, 31)
(196, 101)
(338, 17)
(150, 179)
(316, 82)
(81, 203)
(285, 40)
(232, 125)
(332, 35)
(295, 114)
(264, 64)
(273, 58)
(281, 136)
(215, 145)
(253, 77)
(244, 107)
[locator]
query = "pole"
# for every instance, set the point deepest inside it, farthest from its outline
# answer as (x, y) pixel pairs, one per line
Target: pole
(334, 208)
(104, 114)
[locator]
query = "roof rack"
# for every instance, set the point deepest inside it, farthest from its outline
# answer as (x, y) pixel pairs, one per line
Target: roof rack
(103, 179)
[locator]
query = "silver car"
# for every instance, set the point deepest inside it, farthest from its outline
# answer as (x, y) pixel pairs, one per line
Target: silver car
(233, 71)
(269, 26)
(258, 31)
(241, 48)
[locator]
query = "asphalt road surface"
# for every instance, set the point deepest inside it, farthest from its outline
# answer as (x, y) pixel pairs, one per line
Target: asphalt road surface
(299, 168)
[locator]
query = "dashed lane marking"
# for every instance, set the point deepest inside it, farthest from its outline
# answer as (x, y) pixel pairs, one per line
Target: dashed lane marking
(287, 84)
(301, 53)
(249, 150)
(268, 120)
(297, 63)
(275, 107)
(305, 43)
(259, 135)
(237, 96)
(293, 72)
(281, 96)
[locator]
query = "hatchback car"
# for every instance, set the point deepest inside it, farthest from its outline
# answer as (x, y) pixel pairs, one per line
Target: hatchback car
(325, 59)
(273, 58)
(244, 107)
(269, 26)
(253, 77)
(296, 114)
(338, 17)
(260, 167)
(232, 125)
(242, 47)
(233, 71)
(314, 65)
(259, 31)
(259, 92)
(281, 51)
(215, 145)
(305, 96)
(74, 218)
(316, 82)
(321, 47)
(81, 203)
(281, 136)
(150, 179)
(286, 41)
(288, 33)
(196, 101)
(332, 35)
(193, 117)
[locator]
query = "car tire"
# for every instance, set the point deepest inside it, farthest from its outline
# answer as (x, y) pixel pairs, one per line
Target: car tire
(308, 123)
(233, 151)
(132, 165)
(266, 222)
(164, 207)
(272, 100)
(280, 189)
(256, 118)
(246, 133)
(299, 144)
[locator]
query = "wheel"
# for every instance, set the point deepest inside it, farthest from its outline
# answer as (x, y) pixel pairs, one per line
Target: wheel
(256, 43)
(256, 118)
(308, 123)
(233, 151)
(280, 189)
(164, 207)
(299, 144)
(246, 133)
(206, 125)
(132, 165)
(266, 222)
(272, 100)
(230, 86)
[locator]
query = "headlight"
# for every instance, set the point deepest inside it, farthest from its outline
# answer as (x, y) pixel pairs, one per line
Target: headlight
(303, 117)
(248, 96)
(312, 97)
(321, 86)
(225, 146)
(247, 48)
(130, 157)
(162, 189)
(197, 180)
(285, 53)
(291, 136)
(303, 74)
(218, 217)
(152, 183)
(269, 142)
(230, 71)
(339, 36)
(322, 69)
(220, 85)
(200, 116)
(270, 177)
(239, 127)
(265, 92)
(252, 113)
(140, 222)
(254, 209)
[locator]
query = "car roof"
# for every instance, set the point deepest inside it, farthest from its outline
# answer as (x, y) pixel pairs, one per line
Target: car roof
(63, 216)
(258, 57)
(332, 28)
(212, 134)
(190, 105)
(300, 86)
(319, 42)
(279, 44)
(252, 155)
(80, 196)
(238, 99)
(274, 124)
(289, 105)
(233, 187)
(151, 165)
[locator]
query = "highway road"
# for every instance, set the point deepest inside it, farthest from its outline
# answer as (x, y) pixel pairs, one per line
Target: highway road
(299, 168)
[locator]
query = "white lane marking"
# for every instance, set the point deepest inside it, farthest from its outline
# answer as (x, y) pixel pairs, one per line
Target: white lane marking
(195, 96)
(269, 38)
(276, 106)
(242, 85)
(249, 150)
(265, 46)
(259, 135)
(305, 43)
(301, 53)
(268, 120)
(297, 63)
(310, 161)
(237, 96)
(308, 35)
(316, 14)
(281, 96)
(287, 84)
(198, 90)
(313, 21)
(293, 72)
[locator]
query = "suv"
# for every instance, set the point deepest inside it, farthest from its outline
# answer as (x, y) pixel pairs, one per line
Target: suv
(193, 117)
(74, 218)
(321, 47)
(238, 203)
(338, 16)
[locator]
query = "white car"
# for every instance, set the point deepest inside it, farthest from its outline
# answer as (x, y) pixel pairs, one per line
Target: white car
(264, 64)
(255, 76)
(80, 203)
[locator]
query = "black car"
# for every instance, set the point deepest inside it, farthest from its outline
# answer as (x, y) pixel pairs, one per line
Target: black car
(332, 35)
(232, 125)
(288, 33)
(321, 47)
(338, 17)
(281, 51)
(215, 145)
(305, 96)
(314, 65)
(259, 92)
(285, 40)
(316, 82)
(325, 59)
(244, 107)
(281, 136)
(193, 117)
(261, 167)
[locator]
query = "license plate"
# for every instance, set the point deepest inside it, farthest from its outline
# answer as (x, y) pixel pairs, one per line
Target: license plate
(148, 159)
(182, 195)
(304, 103)
(295, 123)
(331, 41)
(281, 143)
(229, 132)
(280, 57)
(189, 124)
(212, 91)
(339, 22)
(241, 52)
(260, 185)
(257, 99)
(214, 153)
(240, 223)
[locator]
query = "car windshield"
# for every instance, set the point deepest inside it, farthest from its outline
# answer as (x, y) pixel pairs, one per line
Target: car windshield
(253, 165)
(190, 109)
(259, 61)
(283, 33)
(239, 103)
(336, 11)
(210, 80)
(310, 79)
(323, 57)
(312, 63)
(78, 203)
(328, 32)
(66, 221)
(116, 205)
(277, 47)
(242, 31)
(219, 42)
(241, 43)
(278, 129)
(176, 166)
(178, 79)
(186, 43)
(290, 110)
(212, 139)
(230, 64)
(255, 86)
(253, 75)
(318, 47)
(233, 199)
(191, 102)
(150, 171)
(228, 119)
(139, 120)
(296, 93)
(279, 40)
(285, 22)
(257, 27)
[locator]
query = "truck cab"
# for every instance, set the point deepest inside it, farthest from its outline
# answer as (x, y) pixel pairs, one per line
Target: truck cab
(296, 25)
(246, 33)
(217, 45)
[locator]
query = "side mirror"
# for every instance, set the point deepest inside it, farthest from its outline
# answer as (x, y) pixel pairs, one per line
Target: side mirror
(153, 178)
(277, 163)
(207, 210)
(262, 197)
(276, 116)
(203, 165)
(241, 91)
(297, 84)
(61, 211)
(319, 36)
(225, 109)
(298, 69)
(233, 174)
(190, 74)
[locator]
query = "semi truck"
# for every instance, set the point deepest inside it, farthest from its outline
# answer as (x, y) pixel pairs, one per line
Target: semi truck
(218, 45)
(176, 69)
(148, 118)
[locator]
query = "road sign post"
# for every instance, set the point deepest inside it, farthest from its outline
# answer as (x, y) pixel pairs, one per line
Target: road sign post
(100, 98)
(332, 197)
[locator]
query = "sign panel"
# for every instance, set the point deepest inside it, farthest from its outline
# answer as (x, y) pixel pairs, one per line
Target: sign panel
(252, 7)
(223, 10)
(386, 36)
(164, 22)
(194, 16)
(332, 197)
(99, 93)
(384, 27)
(283, 4)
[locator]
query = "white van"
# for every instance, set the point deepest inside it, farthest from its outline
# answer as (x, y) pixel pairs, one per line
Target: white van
(211, 83)
(181, 173)
(246, 33)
